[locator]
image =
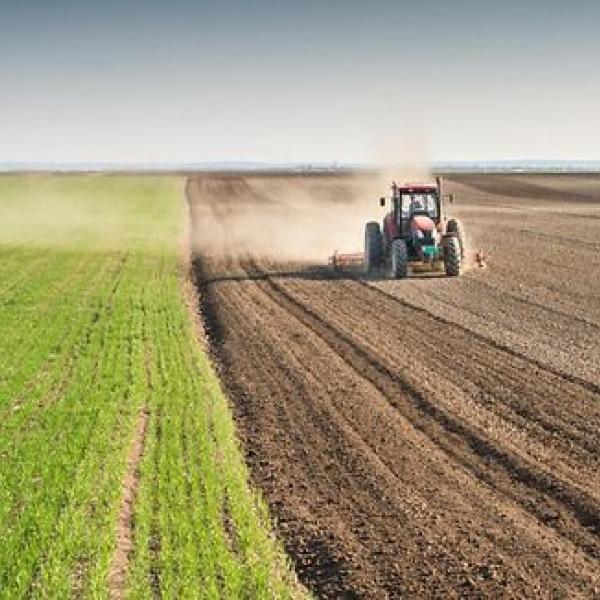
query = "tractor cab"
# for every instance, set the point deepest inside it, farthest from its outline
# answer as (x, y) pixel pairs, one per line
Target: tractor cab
(417, 203)
(415, 200)
(415, 215)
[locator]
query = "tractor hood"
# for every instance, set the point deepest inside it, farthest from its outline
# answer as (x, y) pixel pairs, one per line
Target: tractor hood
(421, 223)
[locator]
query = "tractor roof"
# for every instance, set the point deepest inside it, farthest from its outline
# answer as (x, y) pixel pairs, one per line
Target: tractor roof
(414, 186)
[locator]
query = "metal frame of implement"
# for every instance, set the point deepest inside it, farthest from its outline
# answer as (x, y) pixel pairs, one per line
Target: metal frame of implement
(337, 260)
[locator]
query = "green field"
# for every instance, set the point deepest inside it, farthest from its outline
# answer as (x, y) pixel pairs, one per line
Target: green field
(96, 338)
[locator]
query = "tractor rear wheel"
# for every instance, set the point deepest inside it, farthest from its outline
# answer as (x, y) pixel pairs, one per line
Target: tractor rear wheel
(373, 246)
(399, 259)
(452, 256)
(454, 226)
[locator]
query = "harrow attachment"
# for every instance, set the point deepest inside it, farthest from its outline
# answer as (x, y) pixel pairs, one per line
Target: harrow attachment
(338, 261)
(356, 259)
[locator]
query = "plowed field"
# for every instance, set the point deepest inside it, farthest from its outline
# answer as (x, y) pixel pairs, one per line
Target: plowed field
(431, 436)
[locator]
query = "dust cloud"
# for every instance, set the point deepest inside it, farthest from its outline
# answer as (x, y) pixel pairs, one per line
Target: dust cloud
(303, 217)
(294, 217)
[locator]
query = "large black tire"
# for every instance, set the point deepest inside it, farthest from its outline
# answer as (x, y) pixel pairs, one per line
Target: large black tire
(452, 256)
(373, 247)
(399, 259)
(454, 226)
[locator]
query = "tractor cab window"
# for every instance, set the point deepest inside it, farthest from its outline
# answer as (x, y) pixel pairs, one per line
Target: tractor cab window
(419, 203)
(430, 205)
(406, 205)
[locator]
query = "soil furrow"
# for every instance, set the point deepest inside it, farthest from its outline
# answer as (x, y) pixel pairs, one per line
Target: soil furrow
(589, 385)
(485, 367)
(585, 509)
(359, 459)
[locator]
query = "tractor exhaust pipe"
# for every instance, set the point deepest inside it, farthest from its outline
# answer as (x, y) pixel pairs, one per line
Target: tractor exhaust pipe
(441, 202)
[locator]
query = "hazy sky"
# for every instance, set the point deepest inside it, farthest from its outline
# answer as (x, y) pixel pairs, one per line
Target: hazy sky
(185, 80)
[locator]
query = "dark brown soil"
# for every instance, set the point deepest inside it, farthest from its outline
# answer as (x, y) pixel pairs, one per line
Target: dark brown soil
(430, 437)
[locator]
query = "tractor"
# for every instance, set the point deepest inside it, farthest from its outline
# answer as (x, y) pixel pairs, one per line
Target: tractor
(416, 232)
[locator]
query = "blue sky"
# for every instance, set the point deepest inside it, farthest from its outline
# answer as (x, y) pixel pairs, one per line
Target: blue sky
(189, 80)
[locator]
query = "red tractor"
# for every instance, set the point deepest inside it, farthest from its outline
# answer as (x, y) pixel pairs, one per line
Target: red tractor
(414, 231)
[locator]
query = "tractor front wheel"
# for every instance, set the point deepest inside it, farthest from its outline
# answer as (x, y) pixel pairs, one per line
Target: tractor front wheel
(452, 257)
(373, 246)
(399, 259)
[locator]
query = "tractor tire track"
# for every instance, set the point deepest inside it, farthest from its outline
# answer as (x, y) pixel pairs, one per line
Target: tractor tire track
(585, 508)
(482, 366)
